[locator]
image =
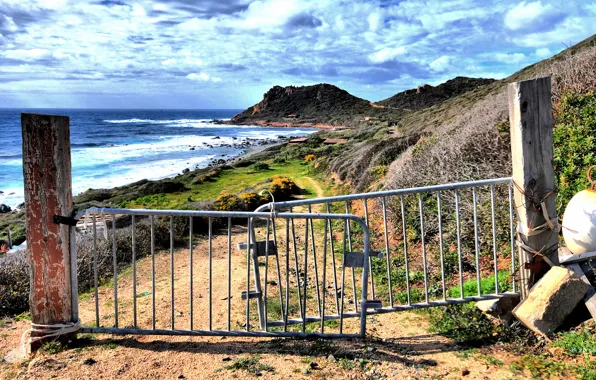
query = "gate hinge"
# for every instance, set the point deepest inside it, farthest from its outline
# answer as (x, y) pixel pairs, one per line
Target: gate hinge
(356, 259)
(264, 248)
(68, 221)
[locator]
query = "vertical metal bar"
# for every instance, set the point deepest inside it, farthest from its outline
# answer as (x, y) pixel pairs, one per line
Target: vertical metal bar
(314, 255)
(278, 267)
(512, 236)
(372, 275)
(257, 275)
(248, 274)
(95, 274)
(152, 272)
(210, 221)
(421, 206)
(343, 278)
(440, 216)
(74, 279)
(324, 278)
(172, 270)
(333, 259)
(305, 273)
(191, 279)
(365, 271)
(492, 206)
(354, 294)
(407, 262)
(266, 273)
(459, 253)
(287, 275)
(134, 272)
(476, 248)
(387, 258)
(229, 273)
(115, 262)
(302, 313)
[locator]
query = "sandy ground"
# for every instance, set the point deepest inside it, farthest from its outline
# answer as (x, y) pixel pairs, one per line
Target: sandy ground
(398, 344)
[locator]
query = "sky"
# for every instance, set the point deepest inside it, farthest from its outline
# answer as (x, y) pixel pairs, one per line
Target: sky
(189, 54)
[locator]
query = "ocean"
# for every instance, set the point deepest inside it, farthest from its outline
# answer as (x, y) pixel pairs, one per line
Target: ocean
(115, 147)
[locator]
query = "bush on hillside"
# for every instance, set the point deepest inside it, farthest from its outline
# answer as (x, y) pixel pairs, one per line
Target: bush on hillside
(575, 145)
(14, 283)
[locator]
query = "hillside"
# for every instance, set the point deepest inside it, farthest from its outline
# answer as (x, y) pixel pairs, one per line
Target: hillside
(319, 103)
(427, 96)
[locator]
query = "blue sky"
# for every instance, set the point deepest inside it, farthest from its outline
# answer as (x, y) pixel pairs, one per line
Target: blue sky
(227, 53)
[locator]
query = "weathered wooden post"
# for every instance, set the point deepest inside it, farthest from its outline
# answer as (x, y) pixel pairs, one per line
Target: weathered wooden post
(530, 114)
(48, 184)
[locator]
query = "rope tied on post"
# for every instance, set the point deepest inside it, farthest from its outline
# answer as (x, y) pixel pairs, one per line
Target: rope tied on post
(43, 332)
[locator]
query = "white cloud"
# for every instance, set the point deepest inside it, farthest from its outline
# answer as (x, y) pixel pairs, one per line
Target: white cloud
(524, 14)
(509, 58)
(25, 54)
(203, 77)
(441, 64)
(387, 54)
(168, 62)
(543, 53)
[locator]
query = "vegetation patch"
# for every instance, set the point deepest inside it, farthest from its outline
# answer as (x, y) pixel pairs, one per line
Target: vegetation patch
(251, 365)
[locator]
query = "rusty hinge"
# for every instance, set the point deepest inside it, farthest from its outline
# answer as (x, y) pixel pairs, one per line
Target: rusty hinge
(68, 221)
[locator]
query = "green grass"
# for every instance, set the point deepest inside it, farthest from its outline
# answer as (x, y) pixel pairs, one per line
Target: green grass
(228, 181)
(576, 343)
(251, 365)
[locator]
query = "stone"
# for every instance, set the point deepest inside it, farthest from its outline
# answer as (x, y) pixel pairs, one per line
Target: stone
(185, 171)
(500, 308)
(4, 209)
(551, 300)
(465, 372)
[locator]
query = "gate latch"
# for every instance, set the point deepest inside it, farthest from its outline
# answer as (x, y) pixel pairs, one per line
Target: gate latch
(68, 221)
(373, 304)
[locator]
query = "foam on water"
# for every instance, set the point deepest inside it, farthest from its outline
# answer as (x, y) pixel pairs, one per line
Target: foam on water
(115, 148)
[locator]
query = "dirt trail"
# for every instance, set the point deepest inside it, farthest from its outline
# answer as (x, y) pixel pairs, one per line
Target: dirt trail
(399, 344)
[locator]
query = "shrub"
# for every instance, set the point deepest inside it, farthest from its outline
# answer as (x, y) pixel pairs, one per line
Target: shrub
(574, 145)
(14, 283)
(259, 167)
(310, 158)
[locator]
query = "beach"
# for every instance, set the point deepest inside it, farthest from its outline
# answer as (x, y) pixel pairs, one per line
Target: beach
(116, 147)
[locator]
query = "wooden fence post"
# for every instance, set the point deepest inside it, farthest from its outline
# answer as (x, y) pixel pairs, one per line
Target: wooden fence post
(48, 192)
(530, 114)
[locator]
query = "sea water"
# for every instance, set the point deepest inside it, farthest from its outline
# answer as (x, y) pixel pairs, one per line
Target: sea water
(115, 147)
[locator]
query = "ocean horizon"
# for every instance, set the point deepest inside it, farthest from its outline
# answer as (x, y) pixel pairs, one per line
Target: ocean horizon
(115, 147)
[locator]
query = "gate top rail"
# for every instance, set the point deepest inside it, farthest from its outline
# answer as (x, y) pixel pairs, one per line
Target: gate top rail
(219, 214)
(386, 193)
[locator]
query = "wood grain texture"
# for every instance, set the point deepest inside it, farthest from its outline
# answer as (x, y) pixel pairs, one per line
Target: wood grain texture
(48, 192)
(530, 114)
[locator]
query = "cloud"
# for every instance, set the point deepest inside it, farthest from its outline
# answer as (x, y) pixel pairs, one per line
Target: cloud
(509, 58)
(387, 54)
(441, 64)
(532, 16)
(145, 48)
(303, 20)
(25, 54)
(203, 77)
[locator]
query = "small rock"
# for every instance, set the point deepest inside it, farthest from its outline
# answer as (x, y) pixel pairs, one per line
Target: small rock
(331, 358)
(185, 171)
(258, 373)
(465, 372)
(370, 349)
(179, 314)
(313, 365)
(4, 209)
(305, 371)
(89, 361)
(181, 376)
(226, 359)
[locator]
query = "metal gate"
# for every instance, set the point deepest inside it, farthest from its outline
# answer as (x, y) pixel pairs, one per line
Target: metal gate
(439, 246)
(241, 273)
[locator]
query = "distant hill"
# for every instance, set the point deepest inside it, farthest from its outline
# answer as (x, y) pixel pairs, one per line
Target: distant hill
(428, 96)
(318, 103)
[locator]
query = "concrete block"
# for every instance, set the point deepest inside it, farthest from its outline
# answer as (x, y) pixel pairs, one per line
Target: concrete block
(551, 300)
